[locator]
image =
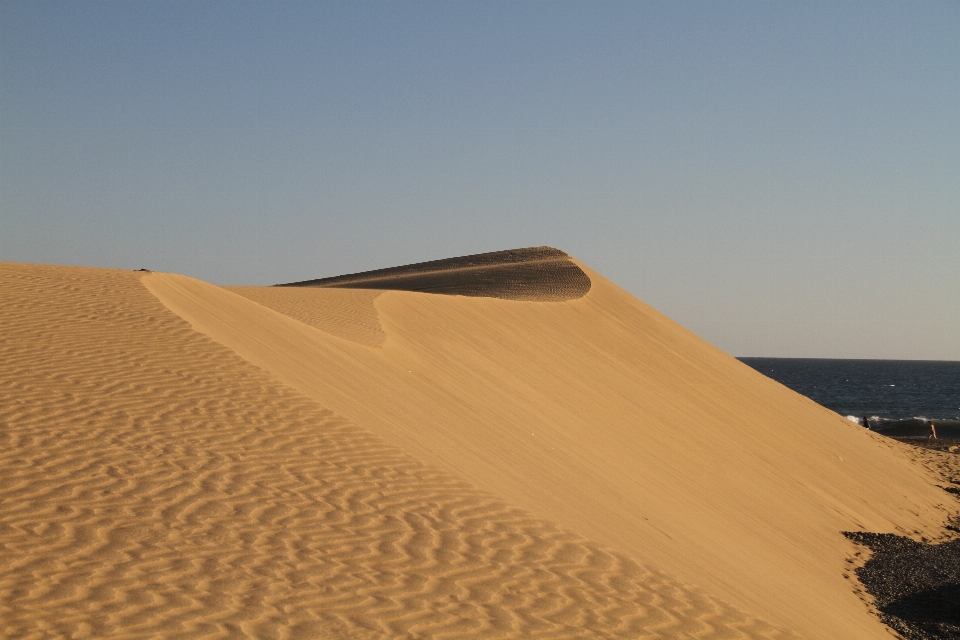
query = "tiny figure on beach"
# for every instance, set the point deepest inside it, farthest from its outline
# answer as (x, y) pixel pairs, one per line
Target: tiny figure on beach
(933, 431)
(866, 422)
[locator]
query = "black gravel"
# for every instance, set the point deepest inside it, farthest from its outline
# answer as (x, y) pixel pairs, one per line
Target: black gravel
(916, 585)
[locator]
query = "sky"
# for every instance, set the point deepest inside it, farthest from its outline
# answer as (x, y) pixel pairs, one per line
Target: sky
(782, 178)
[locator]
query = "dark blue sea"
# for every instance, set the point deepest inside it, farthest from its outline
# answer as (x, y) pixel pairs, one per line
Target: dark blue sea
(885, 391)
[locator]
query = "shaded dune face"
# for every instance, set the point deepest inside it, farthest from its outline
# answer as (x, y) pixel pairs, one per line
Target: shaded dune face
(532, 274)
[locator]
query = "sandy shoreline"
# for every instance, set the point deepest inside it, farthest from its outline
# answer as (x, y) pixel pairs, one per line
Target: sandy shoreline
(184, 459)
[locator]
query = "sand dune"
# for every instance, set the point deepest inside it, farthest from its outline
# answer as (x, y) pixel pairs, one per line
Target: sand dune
(183, 459)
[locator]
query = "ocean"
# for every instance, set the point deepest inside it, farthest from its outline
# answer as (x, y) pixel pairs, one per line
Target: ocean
(887, 392)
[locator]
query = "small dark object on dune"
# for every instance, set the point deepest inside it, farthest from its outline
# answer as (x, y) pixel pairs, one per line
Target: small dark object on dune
(916, 585)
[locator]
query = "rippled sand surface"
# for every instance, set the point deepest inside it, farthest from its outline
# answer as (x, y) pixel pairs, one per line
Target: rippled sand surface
(184, 460)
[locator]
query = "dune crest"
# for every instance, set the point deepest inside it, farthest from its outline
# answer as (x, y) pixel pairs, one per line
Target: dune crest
(603, 416)
(540, 274)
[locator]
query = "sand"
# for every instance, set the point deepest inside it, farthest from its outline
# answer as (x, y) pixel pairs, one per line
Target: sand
(185, 459)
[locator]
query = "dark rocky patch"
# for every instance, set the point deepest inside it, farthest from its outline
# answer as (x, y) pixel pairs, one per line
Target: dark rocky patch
(916, 585)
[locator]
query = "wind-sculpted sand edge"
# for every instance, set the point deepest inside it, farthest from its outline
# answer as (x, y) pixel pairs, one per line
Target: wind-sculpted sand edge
(541, 274)
(156, 484)
(345, 313)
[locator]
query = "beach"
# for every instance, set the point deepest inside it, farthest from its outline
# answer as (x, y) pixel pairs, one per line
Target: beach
(530, 451)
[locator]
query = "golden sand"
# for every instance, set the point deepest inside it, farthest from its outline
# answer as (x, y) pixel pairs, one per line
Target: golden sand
(181, 459)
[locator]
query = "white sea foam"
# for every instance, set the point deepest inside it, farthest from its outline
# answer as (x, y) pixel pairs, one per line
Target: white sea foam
(873, 420)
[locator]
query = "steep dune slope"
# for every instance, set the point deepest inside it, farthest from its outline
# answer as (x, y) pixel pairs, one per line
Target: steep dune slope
(603, 416)
(156, 484)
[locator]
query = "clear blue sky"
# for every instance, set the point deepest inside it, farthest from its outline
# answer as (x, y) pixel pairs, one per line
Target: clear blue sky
(782, 178)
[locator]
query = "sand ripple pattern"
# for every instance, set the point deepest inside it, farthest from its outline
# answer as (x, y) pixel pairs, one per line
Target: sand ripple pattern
(156, 485)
